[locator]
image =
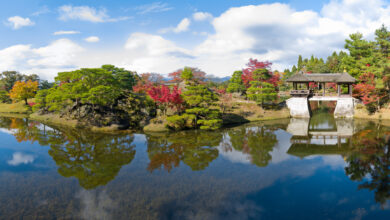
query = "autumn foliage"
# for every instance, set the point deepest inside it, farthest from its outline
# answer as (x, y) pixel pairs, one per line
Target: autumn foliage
(254, 64)
(165, 97)
(365, 90)
(24, 90)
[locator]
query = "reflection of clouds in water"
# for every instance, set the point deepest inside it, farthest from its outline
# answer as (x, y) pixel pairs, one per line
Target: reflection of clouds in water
(377, 207)
(95, 205)
(359, 213)
(230, 208)
(227, 151)
(328, 196)
(343, 201)
(279, 153)
(42, 127)
(8, 131)
(20, 158)
(234, 156)
(334, 161)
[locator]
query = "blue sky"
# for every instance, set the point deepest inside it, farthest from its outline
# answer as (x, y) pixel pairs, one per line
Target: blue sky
(218, 36)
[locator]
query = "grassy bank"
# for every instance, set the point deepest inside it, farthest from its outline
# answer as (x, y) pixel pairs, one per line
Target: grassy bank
(17, 108)
(241, 111)
(362, 113)
(14, 115)
(57, 120)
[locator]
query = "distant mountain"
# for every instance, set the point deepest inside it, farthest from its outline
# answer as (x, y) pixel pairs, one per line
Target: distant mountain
(217, 79)
(208, 78)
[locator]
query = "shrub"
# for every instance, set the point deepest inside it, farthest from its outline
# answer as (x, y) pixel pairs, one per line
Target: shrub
(4, 97)
(180, 122)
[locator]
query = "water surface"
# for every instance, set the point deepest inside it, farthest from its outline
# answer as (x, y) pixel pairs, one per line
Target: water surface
(286, 169)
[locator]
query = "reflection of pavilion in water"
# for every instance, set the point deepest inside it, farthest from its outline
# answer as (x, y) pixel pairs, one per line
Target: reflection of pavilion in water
(324, 136)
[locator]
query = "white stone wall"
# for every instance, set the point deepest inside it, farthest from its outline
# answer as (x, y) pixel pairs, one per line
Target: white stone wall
(344, 108)
(299, 107)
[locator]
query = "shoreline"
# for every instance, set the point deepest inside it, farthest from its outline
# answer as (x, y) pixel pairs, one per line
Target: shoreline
(229, 119)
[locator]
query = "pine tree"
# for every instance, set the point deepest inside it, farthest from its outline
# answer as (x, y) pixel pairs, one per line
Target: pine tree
(261, 91)
(235, 83)
(199, 101)
(300, 63)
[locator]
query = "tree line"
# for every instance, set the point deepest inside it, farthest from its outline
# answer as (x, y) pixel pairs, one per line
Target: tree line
(110, 95)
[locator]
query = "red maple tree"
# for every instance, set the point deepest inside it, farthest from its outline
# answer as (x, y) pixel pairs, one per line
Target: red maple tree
(365, 90)
(253, 65)
(165, 97)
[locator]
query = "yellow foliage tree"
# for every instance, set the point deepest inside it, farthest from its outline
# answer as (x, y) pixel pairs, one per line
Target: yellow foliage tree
(24, 90)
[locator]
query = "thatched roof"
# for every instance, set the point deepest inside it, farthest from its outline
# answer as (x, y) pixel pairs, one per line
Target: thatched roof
(322, 77)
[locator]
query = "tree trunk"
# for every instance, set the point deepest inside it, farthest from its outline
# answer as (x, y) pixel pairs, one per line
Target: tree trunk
(25, 100)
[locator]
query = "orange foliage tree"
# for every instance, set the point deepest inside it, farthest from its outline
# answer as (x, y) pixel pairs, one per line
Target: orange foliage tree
(24, 90)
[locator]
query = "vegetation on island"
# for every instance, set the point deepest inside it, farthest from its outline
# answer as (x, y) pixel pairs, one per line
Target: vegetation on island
(114, 97)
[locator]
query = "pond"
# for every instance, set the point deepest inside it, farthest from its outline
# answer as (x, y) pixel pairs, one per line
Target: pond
(321, 168)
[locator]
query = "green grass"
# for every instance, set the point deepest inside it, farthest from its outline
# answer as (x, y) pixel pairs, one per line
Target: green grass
(18, 107)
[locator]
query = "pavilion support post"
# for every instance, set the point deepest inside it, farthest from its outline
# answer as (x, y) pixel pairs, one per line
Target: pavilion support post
(339, 89)
(323, 89)
(350, 89)
(307, 86)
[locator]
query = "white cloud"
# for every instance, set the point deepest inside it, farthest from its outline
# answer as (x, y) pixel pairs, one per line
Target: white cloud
(66, 32)
(47, 61)
(154, 7)
(201, 16)
(17, 22)
(152, 53)
(20, 158)
(86, 13)
(92, 39)
(41, 11)
(278, 33)
(274, 32)
(181, 27)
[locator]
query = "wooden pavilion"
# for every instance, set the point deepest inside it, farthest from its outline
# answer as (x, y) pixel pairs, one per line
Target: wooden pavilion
(320, 79)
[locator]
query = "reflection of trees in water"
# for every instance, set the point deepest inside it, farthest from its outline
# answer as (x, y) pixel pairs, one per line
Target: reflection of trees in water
(94, 159)
(258, 142)
(370, 161)
(22, 128)
(195, 149)
(323, 106)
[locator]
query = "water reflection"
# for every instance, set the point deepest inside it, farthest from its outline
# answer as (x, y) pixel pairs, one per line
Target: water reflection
(195, 149)
(363, 145)
(301, 153)
(256, 142)
(94, 159)
(369, 161)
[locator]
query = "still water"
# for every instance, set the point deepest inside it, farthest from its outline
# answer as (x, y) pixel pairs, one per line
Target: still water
(286, 169)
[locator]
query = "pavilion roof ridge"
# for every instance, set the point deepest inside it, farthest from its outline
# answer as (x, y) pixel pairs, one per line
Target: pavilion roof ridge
(322, 77)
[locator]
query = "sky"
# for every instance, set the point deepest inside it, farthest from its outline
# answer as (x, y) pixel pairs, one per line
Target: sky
(219, 36)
